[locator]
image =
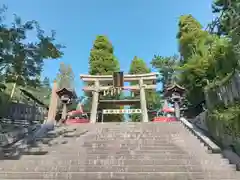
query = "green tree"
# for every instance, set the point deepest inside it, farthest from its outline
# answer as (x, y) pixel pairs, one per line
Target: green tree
(21, 61)
(194, 50)
(138, 66)
(46, 82)
(102, 61)
(166, 66)
(228, 12)
(227, 22)
(65, 77)
(205, 58)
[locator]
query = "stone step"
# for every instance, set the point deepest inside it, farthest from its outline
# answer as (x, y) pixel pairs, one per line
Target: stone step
(82, 155)
(137, 131)
(115, 168)
(133, 148)
(120, 175)
(142, 135)
(163, 139)
(125, 145)
(107, 150)
(130, 141)
(166, 128)
(160, 138)
(67, 162)
(149, 134)
(109, 136)
(120, 144)
(129, 124)
(136, 128)
(138, 143)
(157, 151)
(118, 151)
(145, 127)
(158, 129)
(213, 157)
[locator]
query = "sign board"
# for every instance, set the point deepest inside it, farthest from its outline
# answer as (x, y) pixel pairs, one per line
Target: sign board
(122, 111)
(118, 79)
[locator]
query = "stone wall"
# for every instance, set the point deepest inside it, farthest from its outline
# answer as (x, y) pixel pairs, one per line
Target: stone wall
(226, 93)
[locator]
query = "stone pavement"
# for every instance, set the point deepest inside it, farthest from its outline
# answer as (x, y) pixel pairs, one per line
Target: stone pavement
(131, 151)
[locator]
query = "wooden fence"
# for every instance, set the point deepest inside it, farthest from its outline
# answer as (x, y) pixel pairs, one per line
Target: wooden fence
(20, 112)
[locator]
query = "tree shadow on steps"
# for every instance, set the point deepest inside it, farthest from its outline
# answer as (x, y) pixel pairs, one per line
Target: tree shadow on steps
(31, 143)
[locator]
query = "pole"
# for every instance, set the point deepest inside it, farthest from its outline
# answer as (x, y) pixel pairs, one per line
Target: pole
(64, 111)
(143, 101)
(93, 117)
(177, 109)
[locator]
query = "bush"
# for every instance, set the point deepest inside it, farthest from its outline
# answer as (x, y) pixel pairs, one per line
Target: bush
(224, 121)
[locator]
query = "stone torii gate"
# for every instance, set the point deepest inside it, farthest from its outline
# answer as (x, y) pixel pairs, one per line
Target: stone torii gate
(103, 83)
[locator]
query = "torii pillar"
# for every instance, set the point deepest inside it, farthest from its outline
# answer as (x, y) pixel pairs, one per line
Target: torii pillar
(143, 101)
(93, 116)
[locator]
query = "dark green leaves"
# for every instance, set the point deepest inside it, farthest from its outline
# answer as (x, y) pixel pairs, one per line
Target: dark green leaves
(20, 60)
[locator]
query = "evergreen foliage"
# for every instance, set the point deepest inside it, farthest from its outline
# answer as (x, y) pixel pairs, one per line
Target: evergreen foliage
(138, 66)
(102, 61)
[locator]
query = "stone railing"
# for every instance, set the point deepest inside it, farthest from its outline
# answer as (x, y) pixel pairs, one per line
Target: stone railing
(200, 121)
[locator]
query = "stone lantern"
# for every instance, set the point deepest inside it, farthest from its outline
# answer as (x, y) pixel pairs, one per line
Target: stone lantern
(66, 96)
(175, 94)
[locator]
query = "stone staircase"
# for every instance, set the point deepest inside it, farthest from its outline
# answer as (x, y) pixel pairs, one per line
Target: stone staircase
(132, 151)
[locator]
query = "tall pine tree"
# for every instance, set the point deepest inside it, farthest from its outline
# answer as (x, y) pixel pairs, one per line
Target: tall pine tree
(138, 66)
(46, 83)
(65, 79)
(103, 62)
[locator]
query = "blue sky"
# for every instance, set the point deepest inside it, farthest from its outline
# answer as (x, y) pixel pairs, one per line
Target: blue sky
(135, 27)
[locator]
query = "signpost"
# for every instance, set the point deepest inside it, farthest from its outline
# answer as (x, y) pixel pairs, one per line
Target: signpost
(121, 111)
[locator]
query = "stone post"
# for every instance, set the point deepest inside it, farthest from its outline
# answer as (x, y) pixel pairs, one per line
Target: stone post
(177, 109)
(64, 111)
(52, 110)
(143, 101)
(93, 117)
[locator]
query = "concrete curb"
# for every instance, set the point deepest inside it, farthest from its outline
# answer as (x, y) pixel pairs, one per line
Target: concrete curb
(232, 157)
